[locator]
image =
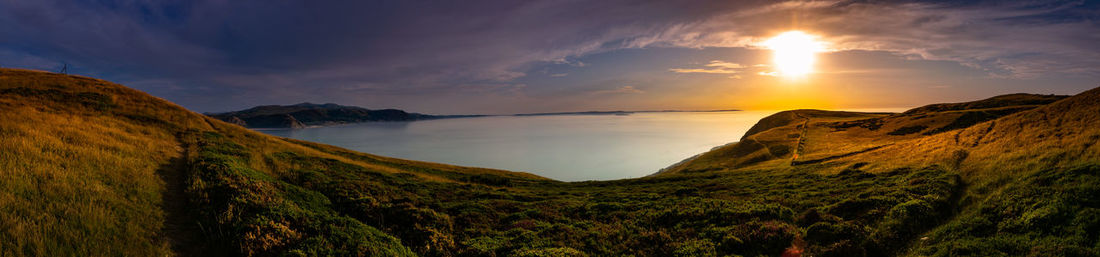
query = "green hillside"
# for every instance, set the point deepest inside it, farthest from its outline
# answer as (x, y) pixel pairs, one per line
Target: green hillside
(92, 168)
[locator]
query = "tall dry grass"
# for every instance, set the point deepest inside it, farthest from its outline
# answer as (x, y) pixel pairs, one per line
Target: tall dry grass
(80, 164)
(74, 182)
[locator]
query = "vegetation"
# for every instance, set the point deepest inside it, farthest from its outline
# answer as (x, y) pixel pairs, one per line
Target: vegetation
(303, 114)
(252, 213)
(746, 213)
(1052, 212)
(92, 168)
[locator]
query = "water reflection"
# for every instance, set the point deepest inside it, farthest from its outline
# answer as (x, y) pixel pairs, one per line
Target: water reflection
(566, 147)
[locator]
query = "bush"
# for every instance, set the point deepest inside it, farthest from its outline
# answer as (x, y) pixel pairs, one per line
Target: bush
(253, 214)
(324, 206)
(549, 252)
(1043, 214)
(695, 248)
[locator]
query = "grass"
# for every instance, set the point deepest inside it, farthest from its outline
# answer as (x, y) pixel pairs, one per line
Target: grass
(73, 177)
(248, 212)
(80, 160)
(747, 213)
(1052, 212)
(83, 168)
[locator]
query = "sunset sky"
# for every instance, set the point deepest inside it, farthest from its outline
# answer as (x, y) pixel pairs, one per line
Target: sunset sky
(493, 57)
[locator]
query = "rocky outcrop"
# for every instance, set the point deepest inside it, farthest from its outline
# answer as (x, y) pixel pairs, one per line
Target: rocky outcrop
(290, 122)
(237, 121)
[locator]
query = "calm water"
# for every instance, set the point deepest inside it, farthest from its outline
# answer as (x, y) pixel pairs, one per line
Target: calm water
(562, 147)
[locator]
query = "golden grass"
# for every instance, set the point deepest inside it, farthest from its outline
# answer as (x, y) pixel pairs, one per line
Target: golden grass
(874, 140)
(1061, 134)
(72, 182)
(79, 160)
(79, 157)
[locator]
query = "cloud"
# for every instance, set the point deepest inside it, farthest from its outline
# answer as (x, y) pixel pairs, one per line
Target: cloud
(725, 65)
(619, 91)
(232, 54)
(559, 74)
(1011, 39)
(574, 63)
(717, 71)
(714, 67)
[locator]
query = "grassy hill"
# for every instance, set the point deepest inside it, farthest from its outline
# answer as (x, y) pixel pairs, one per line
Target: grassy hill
(86, 167)
(307, 114)
(801, 137)
(92, 168)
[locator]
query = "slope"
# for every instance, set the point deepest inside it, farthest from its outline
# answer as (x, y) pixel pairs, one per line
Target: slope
(82, 159)
(1029, 164)
(801, 137)
(93, 168)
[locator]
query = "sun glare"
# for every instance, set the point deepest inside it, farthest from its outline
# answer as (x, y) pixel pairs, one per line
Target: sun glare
(793, 53)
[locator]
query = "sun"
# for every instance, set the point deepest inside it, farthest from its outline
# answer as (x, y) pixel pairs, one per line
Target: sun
(794, 53)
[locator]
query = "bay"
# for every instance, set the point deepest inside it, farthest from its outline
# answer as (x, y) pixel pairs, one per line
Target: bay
(561, 147)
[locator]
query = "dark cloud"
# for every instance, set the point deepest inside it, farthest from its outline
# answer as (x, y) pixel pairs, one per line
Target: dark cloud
(1024, 39)
(221, 55)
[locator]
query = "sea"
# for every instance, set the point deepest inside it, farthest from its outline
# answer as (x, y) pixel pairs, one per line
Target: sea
(570, 147)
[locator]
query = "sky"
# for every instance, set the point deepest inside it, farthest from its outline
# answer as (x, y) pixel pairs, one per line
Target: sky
(498, 57)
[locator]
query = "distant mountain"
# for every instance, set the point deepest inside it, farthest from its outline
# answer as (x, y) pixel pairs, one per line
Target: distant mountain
(309, 114)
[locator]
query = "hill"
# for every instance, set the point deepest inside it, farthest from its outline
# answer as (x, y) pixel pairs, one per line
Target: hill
(92, 168)
(308, 114)
(801, 137)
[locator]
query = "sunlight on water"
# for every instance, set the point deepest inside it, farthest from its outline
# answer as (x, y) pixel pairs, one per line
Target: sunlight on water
(563, 147)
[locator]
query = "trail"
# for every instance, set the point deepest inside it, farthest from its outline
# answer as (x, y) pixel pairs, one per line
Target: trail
(801, 137)
(180, 227)
(834, 157)
(957, 206)
(982, 135)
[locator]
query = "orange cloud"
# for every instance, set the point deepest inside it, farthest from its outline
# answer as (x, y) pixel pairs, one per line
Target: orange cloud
(714, 67)
(619, 90)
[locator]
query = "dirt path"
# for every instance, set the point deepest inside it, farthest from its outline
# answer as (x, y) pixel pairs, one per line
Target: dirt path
(798, 147)
(180, 228)
(834, 157)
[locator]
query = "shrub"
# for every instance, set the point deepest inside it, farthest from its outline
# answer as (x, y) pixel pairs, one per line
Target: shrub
(695, 248)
